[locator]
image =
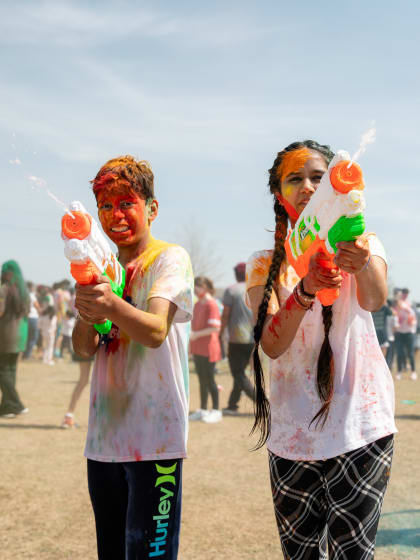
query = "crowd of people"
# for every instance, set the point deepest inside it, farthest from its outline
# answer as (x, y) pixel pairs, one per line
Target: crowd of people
(36, 322)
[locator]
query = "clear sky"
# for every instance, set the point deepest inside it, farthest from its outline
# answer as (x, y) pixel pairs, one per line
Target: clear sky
(208, 92)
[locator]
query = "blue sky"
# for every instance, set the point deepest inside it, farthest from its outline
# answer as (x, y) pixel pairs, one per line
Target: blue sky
(208, 93)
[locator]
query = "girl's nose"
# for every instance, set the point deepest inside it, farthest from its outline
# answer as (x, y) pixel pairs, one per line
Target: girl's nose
(309, 186)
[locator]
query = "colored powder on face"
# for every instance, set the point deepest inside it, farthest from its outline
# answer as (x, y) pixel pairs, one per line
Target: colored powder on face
(291, 211)
(292, 162)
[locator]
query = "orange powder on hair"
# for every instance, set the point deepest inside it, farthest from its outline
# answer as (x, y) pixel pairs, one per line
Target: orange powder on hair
(292, 162)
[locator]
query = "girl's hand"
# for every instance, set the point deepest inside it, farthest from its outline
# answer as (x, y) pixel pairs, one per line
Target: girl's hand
(319, 277)
(352, 256)
(95, 301)
(193, 336)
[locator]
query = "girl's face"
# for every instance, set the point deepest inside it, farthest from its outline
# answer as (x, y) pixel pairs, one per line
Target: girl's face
(124, 215)
(200, 291)
(301, 182)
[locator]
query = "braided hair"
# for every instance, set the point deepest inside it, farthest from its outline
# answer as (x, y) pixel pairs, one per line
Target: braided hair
(325, 369)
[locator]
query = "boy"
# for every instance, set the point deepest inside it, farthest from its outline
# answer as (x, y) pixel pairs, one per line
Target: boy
(139, 407)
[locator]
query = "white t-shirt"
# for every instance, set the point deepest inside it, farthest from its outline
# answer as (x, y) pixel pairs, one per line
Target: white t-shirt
(362, 408)
(139, 396)
(33, 313)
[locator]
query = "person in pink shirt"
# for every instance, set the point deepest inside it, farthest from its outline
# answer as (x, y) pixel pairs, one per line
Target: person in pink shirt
(205, 347)
(405, 334)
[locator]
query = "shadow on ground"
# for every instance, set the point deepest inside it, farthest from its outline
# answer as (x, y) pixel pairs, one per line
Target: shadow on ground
(400, 530)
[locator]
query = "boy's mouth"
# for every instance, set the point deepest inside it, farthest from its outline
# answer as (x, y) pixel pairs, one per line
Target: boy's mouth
(120, 229)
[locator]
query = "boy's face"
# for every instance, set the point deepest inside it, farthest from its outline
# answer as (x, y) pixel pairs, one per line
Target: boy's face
(124, 215)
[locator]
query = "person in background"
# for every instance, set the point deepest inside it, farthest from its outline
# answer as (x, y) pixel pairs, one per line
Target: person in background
(67, 326)
(14, 306)
(405, 335)
(48, 327)
(33, 317)
(205, 348)
(237, 319)
(380, 318)
(391, 325)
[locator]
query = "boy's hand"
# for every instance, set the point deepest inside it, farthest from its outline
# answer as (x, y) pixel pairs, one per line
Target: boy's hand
(95, 301)
(352, 256)
(319, 277)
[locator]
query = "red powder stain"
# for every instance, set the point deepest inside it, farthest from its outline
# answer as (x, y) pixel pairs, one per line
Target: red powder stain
(275, 322)
(308, 373)
(137, 455)
(290, 302)
(303, 336)
(94, 400)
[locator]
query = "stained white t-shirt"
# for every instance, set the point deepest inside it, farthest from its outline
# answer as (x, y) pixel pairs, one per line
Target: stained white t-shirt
(139, 395)
(362, 407)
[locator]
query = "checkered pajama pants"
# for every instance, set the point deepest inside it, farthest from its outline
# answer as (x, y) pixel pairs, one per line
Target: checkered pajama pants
(336, 501)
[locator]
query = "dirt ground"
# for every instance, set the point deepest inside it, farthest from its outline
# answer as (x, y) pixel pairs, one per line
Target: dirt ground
(227, 509)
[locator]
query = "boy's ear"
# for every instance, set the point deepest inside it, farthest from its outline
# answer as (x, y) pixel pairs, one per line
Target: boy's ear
(153, 207)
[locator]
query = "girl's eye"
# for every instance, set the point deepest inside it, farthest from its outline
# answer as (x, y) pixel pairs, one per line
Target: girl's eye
(105, 206)
(126, 204)
(317, 178)
(294, 180)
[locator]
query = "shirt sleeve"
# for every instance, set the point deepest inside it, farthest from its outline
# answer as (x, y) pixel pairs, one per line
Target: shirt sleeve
(257, 269)
(375, 246)
(173, 280)
(213, 317)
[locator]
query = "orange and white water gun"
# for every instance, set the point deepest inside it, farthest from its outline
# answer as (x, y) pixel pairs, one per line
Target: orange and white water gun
(334, 213)
(89, 253)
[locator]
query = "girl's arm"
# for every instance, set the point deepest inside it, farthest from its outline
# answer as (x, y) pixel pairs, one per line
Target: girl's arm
(281, 323)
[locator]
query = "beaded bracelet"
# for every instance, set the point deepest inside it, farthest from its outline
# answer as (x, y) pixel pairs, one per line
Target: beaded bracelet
(303, 299)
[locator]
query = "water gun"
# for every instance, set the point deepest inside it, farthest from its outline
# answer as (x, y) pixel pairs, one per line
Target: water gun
(334, 213)
(89, 253)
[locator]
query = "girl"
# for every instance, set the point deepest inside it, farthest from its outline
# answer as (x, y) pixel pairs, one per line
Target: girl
(329, 422)
(14, 307)
(205, 347)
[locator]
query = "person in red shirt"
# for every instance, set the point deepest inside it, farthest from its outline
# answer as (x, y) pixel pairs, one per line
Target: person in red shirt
(205, 348)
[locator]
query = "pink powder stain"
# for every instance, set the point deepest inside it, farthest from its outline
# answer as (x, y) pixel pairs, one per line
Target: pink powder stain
(308, 373)
(303, 336)
(137, 455)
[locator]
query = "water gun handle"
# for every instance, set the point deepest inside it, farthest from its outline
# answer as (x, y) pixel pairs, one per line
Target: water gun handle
(86, 274)
(327, 296)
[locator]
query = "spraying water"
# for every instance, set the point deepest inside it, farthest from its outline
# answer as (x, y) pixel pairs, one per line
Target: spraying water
(42, 184)
(367, 138)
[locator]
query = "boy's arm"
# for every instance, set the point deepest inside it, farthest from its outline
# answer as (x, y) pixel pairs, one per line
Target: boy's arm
(149, 328)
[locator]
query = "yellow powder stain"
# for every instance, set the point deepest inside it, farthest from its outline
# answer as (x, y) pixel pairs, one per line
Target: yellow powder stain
(153, 249)
(292, 162)
(160, 376)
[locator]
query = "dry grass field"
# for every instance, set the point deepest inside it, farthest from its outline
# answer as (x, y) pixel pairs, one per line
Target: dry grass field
(227, 509)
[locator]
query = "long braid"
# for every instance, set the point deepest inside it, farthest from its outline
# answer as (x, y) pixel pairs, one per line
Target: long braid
(325, 368)
(262, 405)
(325, 371)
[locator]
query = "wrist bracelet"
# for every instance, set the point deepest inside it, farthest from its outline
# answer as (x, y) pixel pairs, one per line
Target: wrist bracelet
(303, 301)
(365, 265)
(302, 288)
